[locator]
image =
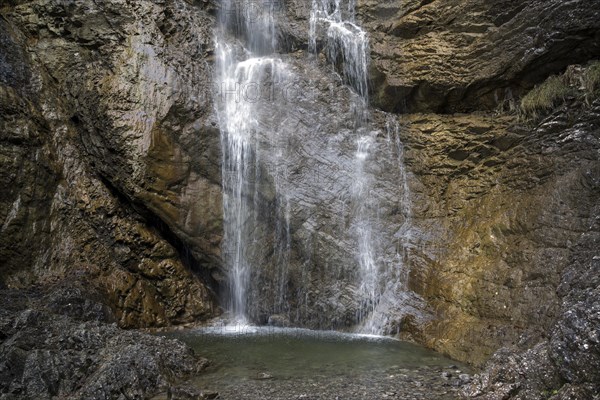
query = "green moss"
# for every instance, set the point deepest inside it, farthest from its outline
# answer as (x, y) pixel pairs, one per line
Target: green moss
(545, 97)
(549, 393)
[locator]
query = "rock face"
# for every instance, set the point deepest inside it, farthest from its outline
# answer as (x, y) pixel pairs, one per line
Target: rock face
(97, 187)
(510, 235)
(487, 225)
(563, 365)
(60, 344)
(449, 56)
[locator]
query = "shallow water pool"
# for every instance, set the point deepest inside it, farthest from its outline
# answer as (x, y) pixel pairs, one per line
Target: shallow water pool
(248, 359)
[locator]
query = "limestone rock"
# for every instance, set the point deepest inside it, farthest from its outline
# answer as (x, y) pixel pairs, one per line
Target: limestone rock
(457, 56)
(44, 355)
(63, 213)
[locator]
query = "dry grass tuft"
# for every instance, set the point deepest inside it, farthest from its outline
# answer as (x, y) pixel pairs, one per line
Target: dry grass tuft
(545, 97)
(591, 81)
(582, 83)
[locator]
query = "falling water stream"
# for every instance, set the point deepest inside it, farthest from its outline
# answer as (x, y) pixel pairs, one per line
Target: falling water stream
(347, 48)
(247, 58)
(242, 72)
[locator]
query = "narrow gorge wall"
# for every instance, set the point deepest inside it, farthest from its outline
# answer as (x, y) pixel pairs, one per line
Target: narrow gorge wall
(98, 187)
(111, 159)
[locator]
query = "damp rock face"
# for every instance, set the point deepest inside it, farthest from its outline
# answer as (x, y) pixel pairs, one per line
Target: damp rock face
(449, 56)
(89, 194)
(487, 224)
(61, 342)
(564, 364)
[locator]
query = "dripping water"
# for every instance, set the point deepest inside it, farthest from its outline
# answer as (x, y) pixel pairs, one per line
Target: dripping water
(347, 49)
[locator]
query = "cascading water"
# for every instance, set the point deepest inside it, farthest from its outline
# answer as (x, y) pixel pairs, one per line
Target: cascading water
(392, 293)
(347, 44)
(365, 210)
(244, 74)
(258, 145)
(347, 48)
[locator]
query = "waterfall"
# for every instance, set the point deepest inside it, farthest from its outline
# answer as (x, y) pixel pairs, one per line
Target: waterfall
(382, 281)
(347, 45)
(363, 224)
(246, 75)
(259, 192)
(347, 49)
(393, 296)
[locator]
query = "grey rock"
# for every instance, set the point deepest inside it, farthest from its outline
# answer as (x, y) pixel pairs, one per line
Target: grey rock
(280, 321)
(46, 355)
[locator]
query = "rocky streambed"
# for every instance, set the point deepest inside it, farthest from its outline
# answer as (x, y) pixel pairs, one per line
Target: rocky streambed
(424, 384)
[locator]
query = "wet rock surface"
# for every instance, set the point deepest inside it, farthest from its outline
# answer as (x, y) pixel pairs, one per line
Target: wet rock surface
(64, 211)
(57, 342)
(111, 163)
(498, 276)
(564, 365)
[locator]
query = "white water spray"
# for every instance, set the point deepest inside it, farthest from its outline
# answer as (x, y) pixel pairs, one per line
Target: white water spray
(245, 75)
(381, 281)
(347, 48)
